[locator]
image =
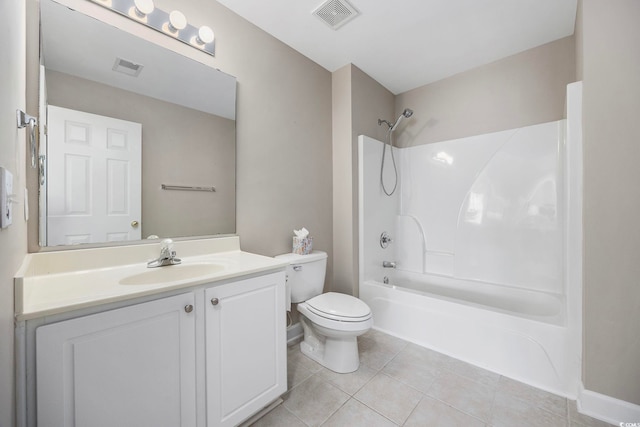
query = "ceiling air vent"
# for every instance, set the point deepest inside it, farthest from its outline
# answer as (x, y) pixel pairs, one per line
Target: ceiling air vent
(127, 67)
(335, 13)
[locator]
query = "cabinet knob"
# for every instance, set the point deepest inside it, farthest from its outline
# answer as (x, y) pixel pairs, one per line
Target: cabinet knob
(188, 308)
(214, 301)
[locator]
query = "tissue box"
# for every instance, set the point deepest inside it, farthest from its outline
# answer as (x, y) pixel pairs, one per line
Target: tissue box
(302, 245)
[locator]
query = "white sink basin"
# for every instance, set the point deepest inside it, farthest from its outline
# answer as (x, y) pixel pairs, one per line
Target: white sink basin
(172, 273)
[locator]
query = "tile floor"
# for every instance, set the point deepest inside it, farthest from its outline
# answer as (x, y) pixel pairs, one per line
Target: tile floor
(402, 384)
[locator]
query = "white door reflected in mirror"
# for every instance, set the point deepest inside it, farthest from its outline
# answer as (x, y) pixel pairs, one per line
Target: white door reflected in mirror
(95, 163)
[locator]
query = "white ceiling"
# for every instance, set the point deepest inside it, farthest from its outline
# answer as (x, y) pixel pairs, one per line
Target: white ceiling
(404, 44)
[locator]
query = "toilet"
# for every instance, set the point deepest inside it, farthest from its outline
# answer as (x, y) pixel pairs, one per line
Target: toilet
(332, 322)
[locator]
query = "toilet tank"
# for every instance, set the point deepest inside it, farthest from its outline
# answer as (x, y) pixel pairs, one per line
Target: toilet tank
(305, 274)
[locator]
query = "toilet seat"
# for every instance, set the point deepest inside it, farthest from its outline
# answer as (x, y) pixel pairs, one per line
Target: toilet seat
(336, 324)
(339, 307)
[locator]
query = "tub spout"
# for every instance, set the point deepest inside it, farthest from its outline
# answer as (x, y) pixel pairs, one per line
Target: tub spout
(388, 264)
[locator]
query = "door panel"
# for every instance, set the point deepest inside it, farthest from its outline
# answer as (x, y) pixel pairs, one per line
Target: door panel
(245, 349)
(133, 366)
(93, 178)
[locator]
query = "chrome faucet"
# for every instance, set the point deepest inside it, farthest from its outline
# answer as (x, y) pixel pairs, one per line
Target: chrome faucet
(167, 255)
(388, 264)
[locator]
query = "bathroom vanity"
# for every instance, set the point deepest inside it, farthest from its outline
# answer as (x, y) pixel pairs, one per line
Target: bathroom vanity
(102, 340)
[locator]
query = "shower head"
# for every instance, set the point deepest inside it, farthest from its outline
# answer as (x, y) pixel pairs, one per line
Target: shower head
(406, 113)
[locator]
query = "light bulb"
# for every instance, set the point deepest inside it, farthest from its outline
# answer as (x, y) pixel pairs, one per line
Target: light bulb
(143, 7)
(205, 35)
(177, 21)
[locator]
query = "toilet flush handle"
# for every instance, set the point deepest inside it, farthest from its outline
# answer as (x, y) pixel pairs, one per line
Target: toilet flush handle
(297, 268)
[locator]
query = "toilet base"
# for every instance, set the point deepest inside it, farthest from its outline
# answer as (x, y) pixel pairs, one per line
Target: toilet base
(339, 354)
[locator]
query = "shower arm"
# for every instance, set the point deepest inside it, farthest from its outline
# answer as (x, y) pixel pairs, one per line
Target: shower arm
(392, 126)
(386, 122)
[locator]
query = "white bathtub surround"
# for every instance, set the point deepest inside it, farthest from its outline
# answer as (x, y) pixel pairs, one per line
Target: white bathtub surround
(487, 244)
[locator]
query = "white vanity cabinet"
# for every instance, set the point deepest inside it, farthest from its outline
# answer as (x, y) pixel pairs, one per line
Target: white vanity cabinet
(212, 355)
(132, 366)
(245, 347)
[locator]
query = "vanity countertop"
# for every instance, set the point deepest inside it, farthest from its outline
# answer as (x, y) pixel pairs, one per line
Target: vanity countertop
(57, 282)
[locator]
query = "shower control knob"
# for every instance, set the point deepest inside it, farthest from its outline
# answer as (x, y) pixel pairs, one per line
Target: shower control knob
(214, 301)
(188, 308)
(385, 239)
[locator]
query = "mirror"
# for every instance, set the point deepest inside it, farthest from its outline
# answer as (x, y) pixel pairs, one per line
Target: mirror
(140, 140)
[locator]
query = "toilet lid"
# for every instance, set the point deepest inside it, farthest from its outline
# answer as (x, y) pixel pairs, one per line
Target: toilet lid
(336, 305)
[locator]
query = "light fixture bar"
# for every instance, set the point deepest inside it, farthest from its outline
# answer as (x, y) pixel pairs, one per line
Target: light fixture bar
(164, 22)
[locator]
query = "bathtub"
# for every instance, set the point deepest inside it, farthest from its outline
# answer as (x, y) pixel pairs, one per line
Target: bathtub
(514, 332)
(487, 240)
(535, 305)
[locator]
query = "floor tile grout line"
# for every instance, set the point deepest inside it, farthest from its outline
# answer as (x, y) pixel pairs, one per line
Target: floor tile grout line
(335, 412)
(395, 379)
(424, 396)
(350, 394)
(377, 412)
(528, 401)
(297, 417)
(487, 422)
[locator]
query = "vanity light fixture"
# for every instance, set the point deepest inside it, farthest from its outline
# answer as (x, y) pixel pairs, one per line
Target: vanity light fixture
(174, 24)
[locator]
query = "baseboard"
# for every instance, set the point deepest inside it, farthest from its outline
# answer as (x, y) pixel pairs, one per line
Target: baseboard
(606, 408)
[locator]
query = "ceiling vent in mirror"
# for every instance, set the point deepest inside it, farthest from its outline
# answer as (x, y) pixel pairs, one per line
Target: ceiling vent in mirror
(127, 67)
(335, 13)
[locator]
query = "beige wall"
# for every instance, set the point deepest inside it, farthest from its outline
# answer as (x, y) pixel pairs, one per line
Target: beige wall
(579, 42)
(343, 225)
(180, 146)
(358, 102)
(283, 140)
(524, 89)
(611, 198)
(13, 240)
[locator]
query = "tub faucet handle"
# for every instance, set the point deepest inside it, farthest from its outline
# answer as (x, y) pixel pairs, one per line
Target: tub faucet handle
(385, 239)
(388, 264)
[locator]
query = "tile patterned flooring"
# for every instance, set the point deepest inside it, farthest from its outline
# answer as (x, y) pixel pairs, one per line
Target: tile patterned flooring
(402, 384)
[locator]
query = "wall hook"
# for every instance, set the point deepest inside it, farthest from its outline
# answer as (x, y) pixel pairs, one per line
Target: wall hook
(24, 120)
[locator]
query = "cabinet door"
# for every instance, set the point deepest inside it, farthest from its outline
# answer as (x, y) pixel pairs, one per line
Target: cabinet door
(246, 347)
(133, 366)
